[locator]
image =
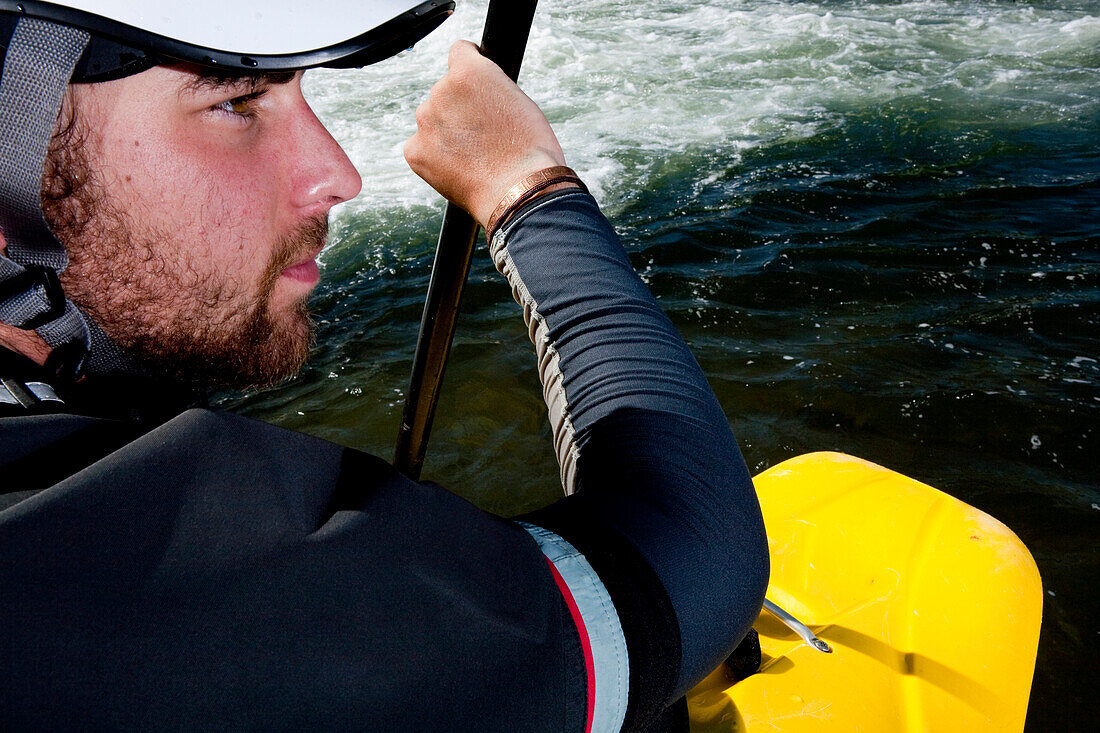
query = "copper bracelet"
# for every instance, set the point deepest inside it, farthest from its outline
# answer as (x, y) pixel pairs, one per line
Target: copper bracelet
(526, 190)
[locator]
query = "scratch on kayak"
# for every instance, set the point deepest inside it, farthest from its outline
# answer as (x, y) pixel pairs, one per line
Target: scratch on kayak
(818, 711)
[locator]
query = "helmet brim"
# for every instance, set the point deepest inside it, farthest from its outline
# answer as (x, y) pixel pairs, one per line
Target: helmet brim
(252, 53)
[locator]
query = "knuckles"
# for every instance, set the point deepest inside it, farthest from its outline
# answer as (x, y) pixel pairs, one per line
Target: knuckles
(413, 155)
(422, 115)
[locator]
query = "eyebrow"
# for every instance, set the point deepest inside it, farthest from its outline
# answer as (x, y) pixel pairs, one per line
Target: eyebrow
(243, 83)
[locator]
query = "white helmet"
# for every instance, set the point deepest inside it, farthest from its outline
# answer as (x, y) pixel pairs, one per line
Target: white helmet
(243, 35)
(44, 45)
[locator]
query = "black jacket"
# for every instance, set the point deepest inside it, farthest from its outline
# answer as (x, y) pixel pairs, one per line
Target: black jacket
(212, 571)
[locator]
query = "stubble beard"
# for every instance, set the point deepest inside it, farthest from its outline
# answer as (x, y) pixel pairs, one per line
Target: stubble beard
(148, 294)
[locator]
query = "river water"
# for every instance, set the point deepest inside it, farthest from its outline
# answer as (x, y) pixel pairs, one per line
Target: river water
(876, 223)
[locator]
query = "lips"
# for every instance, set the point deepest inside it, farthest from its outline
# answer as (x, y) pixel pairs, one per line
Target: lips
(295, 256)
(305, 271)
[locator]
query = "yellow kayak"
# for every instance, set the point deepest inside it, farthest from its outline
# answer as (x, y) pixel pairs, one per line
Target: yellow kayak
(931, 608)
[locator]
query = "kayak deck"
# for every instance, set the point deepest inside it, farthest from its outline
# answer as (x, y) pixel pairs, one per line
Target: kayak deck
(932, 609)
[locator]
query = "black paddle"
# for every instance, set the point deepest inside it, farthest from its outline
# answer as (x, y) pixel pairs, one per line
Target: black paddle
(507, 25)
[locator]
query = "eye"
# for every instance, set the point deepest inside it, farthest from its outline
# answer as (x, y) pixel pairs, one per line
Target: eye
(243, 106)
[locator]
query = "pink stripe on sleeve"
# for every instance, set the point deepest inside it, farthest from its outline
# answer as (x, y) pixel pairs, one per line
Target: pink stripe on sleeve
(586, 645)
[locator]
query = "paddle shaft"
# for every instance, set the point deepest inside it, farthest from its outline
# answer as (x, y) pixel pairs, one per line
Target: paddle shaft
(507, 26)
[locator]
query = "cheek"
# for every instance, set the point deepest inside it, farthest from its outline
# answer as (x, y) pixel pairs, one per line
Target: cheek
(217, 204)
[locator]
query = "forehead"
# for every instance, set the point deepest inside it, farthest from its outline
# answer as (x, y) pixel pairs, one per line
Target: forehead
(184, 80)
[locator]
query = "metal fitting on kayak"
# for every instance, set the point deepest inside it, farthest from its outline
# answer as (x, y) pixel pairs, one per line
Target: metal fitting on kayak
(798, 627)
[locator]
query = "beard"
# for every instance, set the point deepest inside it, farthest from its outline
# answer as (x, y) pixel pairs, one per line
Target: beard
(154, 298)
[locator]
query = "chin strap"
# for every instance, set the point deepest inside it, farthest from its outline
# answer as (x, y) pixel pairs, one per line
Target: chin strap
(37, 65)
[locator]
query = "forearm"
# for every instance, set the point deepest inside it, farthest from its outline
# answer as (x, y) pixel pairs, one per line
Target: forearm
(641, 438)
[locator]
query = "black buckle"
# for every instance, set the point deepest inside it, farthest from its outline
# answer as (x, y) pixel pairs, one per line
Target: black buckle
(36, 276)
(66, 361)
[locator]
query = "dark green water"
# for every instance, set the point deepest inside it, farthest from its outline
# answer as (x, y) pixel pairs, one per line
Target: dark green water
(877, 224)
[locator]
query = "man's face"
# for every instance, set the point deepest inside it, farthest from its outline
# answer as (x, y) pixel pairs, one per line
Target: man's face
(192, 210)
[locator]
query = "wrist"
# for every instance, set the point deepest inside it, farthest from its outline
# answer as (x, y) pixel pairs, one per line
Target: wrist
(531, 188)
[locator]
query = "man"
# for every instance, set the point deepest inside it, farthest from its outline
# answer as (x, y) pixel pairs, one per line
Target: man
(172, 568)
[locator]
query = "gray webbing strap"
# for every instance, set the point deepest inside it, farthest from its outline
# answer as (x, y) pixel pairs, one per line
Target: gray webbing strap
(37, 67)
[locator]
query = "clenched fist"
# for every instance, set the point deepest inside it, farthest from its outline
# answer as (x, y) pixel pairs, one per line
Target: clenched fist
(478, 134)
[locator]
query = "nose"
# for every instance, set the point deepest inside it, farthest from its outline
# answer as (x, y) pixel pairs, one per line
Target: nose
(323, 174)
